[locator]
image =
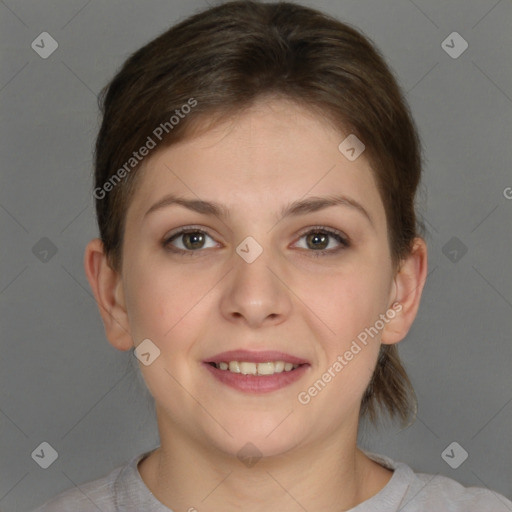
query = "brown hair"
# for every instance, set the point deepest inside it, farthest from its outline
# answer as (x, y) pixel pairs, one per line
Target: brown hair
(221, 61)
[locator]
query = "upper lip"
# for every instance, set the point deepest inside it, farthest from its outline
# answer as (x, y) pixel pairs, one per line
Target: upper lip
(255, 357)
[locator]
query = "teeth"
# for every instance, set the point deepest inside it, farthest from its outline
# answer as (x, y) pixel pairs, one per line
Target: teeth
(233, 367)
(266, 368)
(249, 368)
(278, 366)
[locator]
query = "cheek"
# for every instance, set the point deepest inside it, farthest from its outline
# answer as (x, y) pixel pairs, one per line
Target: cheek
(168, 307)
(157, 298)
(348, 301)
(350, 304)
(353, 301)
(169, 303)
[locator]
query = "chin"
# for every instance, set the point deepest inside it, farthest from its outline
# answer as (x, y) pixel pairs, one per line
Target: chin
(253, 437)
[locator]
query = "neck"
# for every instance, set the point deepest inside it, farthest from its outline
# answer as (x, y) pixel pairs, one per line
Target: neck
(185, 475)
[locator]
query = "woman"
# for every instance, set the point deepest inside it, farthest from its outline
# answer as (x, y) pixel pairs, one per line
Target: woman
(255, 177)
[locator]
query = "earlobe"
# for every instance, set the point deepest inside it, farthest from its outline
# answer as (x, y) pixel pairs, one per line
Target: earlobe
(107, 287)
(408, 287)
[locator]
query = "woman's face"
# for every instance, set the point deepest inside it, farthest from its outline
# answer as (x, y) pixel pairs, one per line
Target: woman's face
(291, 264)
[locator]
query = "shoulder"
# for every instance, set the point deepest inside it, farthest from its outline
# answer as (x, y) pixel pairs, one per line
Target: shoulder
(436, 492)
(89, 497)
(408, 491)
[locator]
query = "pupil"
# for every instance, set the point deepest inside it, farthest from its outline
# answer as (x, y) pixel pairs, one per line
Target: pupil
(193, 240)
(318, 240)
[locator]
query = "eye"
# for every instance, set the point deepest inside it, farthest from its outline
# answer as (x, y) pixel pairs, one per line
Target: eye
(323, 241)
(319, 240)
(188, 240)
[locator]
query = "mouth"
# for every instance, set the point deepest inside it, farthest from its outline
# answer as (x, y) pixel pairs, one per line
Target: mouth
(256, 372)
(250, 368)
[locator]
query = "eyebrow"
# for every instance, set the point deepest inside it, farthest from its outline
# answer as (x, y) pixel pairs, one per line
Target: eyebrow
(299, 207)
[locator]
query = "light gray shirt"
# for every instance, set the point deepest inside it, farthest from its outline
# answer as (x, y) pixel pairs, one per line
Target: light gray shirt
(123, 490)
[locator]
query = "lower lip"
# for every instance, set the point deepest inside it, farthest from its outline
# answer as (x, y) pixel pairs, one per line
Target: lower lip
(257, 384)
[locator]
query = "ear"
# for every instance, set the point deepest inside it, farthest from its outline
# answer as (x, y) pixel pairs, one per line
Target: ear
(405, 299)
(107, 287)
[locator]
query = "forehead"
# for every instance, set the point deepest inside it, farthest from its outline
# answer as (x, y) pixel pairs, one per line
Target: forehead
(272, 153)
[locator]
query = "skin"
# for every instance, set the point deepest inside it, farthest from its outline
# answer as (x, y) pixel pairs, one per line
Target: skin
(195, 306)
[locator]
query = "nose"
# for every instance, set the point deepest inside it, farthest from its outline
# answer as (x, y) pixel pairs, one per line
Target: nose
(255, 294)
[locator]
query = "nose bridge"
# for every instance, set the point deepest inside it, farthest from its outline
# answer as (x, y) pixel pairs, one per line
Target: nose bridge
(254, 292)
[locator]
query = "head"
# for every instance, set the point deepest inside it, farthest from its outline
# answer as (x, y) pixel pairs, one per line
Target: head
(240, 110)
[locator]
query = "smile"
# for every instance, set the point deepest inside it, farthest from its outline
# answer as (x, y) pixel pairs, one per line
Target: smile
(256, 372)
(250, 368)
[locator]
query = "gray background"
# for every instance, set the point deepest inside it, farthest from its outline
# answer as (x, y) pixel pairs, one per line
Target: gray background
(61, 382)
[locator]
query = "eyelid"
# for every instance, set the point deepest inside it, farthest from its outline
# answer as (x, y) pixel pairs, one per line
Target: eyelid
(185, 229)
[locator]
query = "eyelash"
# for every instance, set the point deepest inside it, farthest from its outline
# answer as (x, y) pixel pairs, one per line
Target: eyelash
(338, 235)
